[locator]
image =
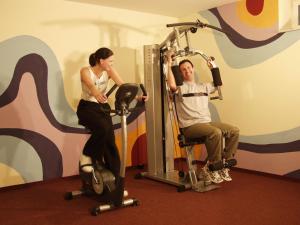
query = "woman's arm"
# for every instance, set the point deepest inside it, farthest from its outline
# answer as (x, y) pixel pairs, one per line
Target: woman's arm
(85, 78)
(114, 75)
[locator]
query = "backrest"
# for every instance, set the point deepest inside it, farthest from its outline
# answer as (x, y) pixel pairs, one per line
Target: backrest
(183, 141)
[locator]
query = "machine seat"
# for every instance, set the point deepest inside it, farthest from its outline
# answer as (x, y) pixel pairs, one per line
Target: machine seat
(184, 142)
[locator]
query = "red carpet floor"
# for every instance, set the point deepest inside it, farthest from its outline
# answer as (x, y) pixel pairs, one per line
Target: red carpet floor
(250, 199)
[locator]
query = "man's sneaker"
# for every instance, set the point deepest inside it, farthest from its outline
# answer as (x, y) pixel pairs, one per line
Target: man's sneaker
(203, 175)
(215, 177)
(224, 173)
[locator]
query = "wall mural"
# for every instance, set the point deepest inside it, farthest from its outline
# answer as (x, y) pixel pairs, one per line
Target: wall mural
(40, 137)
(253, 33)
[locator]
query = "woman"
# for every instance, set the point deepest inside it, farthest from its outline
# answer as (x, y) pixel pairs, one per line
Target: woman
(93, 112)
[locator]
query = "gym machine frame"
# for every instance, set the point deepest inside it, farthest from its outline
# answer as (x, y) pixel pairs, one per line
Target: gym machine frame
(160, 148)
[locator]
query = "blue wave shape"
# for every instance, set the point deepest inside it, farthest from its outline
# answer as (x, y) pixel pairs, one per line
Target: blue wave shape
(48, 152)
(251, 56)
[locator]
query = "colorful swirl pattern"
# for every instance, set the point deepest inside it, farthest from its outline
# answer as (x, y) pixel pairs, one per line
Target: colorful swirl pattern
(252, 31)
(29, 115)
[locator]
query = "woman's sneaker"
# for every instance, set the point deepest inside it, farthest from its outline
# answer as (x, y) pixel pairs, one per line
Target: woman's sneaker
(86, 163)
(224, 174)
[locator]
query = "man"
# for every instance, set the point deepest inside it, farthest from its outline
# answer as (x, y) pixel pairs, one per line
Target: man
(195, 119)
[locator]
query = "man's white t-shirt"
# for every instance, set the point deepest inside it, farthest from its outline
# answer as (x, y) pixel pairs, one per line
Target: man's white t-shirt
(191, 110)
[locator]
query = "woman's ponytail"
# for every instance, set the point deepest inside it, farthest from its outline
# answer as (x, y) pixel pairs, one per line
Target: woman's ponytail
(101, 53)
(92, 59)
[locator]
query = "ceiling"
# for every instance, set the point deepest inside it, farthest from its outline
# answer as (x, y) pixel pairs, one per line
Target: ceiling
(172, 8)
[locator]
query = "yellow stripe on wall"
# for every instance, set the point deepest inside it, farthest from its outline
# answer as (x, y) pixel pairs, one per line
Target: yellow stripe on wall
(9, 176)
(267, 18)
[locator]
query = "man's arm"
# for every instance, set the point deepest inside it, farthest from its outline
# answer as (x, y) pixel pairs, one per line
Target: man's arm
(170, 76)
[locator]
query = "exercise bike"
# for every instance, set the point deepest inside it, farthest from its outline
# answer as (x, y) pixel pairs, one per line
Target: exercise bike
(100, 182)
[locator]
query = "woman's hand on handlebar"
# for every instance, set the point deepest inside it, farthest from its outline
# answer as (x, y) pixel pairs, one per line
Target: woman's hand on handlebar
(142, 98)
(101, 98)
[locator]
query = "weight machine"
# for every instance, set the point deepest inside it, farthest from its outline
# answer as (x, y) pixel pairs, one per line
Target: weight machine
(160, 116)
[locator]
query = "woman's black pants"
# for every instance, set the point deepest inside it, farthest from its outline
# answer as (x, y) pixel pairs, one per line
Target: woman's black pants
(101, 144)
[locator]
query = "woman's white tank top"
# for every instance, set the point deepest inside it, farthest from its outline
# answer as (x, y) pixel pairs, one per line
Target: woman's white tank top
(100, 83)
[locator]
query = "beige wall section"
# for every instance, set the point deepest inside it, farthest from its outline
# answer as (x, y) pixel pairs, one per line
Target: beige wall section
(73, 30)
(259, 99)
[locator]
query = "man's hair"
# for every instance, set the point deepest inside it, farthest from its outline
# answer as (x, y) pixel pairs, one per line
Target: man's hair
(184, 61)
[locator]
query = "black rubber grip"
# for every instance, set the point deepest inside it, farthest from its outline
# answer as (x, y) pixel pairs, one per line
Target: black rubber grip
(143, 90)
(177, 75)
(216, 76)
(194, 94)
(216, 166)
(230, 163)
(111, 90)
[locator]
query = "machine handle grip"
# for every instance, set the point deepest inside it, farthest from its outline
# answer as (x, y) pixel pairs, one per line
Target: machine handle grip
(216, 76)
(143, 90)
(177, 75)
(111, 90)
